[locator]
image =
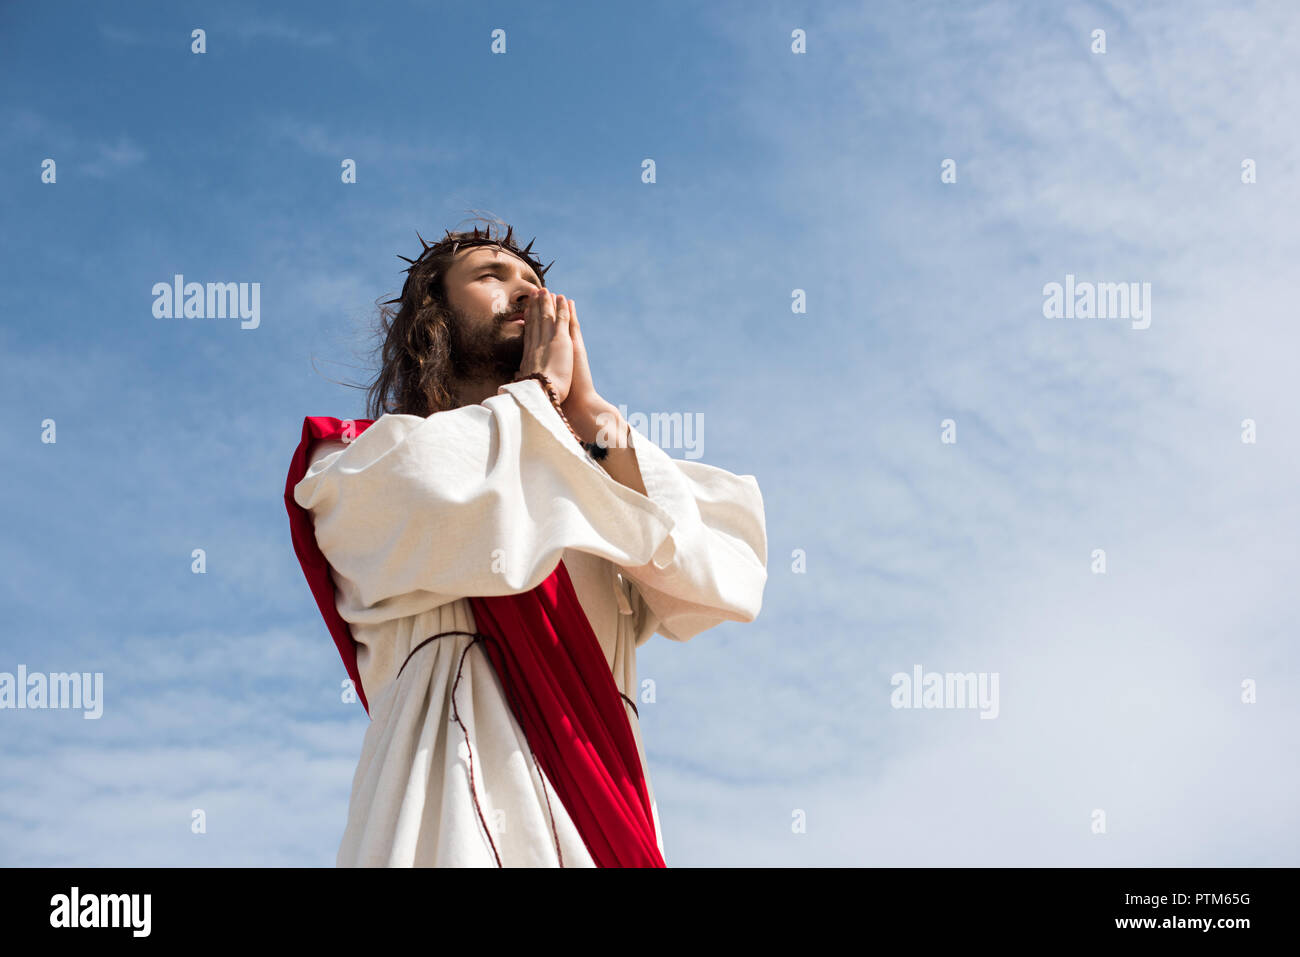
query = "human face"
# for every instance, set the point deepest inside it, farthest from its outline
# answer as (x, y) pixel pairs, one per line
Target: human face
(487, 283)
(485, 287)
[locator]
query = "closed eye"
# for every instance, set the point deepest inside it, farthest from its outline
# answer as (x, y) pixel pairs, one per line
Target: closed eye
(496, 272)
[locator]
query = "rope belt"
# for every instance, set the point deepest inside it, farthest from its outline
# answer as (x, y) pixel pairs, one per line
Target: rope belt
(479, 636)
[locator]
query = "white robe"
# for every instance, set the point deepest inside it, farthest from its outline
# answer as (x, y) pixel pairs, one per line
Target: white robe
(416, 513)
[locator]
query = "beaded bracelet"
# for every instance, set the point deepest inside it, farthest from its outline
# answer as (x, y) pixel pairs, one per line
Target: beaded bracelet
(593, 449)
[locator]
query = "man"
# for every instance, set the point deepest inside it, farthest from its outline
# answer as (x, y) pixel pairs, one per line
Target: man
(494, 474)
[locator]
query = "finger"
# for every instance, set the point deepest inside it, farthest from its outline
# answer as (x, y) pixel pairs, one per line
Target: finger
(562, 318)
(530, 321)
(574, 329)
(537, 323)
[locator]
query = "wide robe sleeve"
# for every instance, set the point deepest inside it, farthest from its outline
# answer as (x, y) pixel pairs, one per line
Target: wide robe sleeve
(474, 501)
(719, 564)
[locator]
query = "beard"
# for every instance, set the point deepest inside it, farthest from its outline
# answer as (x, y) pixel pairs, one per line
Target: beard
(482, 351)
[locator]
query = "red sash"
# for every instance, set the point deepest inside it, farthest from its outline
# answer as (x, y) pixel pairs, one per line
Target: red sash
(556, 680)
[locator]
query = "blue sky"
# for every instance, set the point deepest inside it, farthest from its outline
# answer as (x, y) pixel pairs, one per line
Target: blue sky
(775, 171)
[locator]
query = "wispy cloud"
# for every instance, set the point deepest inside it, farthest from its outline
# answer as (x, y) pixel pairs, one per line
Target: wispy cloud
(112, 158)
(266, 752)
(123, 35)
(247, 28)
(338, 141)
(263, 28)
(1073, 435)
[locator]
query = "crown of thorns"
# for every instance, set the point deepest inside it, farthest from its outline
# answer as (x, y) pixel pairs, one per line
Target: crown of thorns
(476, 238)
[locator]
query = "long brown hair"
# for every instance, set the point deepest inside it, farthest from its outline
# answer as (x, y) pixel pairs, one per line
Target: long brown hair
(415, 355)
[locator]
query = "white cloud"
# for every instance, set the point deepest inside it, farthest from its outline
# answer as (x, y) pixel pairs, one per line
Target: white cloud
(114, 157)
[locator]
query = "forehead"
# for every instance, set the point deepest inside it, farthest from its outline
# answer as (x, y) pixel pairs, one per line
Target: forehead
(477, 256)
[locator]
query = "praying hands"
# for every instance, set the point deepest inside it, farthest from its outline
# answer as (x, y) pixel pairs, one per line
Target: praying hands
(553, 346)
